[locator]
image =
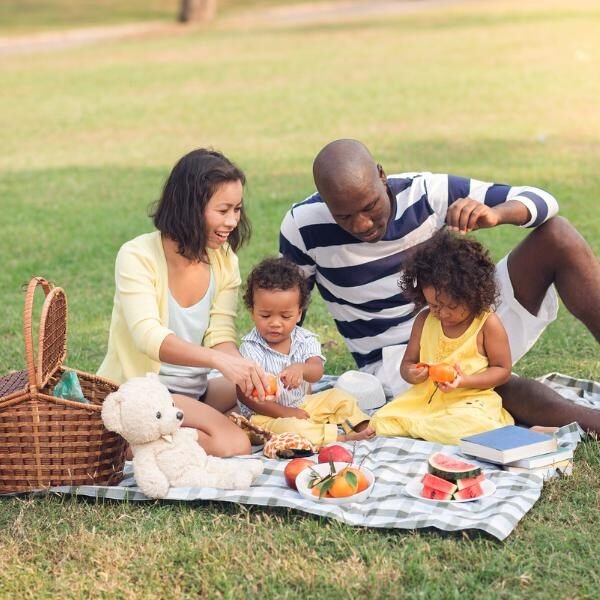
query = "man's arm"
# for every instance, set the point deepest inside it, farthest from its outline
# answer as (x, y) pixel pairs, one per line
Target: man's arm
(473, 204)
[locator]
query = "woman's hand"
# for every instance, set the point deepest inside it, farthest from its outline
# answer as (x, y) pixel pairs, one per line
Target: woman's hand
(244, 373)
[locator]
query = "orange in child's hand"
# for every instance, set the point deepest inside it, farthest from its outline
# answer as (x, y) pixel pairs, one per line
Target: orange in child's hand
(271, 389)
(440, 373)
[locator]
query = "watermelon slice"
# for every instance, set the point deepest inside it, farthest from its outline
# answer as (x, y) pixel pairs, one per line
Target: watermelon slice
(465, 483)
(450, 468)
(473, 491)
(439, 484)
(435, 494)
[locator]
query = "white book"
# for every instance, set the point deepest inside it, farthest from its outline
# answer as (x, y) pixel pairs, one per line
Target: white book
(563, 468)
(543, 460)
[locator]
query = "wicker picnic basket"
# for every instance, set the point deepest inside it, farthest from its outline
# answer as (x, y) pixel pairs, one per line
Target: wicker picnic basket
(47, 441)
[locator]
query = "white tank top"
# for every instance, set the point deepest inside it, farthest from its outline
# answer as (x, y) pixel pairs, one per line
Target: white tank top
(188, 324)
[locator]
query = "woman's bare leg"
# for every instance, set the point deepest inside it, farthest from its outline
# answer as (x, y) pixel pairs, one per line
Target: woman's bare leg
(216, 433)
(221, 395)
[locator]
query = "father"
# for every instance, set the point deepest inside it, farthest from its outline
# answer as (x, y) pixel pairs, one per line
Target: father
(351, 237)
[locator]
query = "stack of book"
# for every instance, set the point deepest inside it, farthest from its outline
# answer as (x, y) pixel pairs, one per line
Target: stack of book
(520, 450)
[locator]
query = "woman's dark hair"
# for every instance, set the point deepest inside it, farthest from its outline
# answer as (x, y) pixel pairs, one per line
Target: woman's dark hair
(461, 267)
(179, 213)
(276, 274)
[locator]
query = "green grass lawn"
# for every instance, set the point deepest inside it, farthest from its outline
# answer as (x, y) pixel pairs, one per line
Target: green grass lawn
(504, 91)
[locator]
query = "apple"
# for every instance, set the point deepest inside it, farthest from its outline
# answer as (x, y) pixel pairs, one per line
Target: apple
(293, 468)
(335, 453)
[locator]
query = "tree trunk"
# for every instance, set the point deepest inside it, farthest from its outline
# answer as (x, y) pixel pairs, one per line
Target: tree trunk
(197, 10)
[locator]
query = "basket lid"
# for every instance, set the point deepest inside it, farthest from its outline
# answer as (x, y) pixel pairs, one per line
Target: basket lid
(52, 341)
(53, 336)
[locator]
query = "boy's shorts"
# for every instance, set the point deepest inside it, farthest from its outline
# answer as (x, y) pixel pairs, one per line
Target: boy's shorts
(522, 327)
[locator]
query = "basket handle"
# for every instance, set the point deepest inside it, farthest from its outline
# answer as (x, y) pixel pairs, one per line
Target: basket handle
(28, 326)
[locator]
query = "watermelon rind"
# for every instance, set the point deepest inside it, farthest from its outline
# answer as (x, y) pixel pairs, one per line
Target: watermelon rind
(450, 468)
(473, 491)
(435, 494)
(437, 483)
(465, 483)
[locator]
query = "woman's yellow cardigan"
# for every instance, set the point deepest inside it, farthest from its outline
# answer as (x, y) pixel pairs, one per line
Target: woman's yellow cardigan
(140, 314)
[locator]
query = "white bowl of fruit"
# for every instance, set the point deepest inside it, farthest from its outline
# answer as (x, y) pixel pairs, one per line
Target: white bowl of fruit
(330, 481)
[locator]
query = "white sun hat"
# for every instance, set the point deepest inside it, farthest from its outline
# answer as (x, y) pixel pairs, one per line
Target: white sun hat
(366, 388)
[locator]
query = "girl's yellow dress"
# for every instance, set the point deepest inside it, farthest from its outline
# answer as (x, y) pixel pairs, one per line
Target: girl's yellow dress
(452, 415)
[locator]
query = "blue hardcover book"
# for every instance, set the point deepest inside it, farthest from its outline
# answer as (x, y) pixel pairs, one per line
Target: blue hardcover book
(507, 444)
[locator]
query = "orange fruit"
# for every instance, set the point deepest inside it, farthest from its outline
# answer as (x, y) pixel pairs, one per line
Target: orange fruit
(363, 482)
(271, 389)
(316, 491)
(345, 483)
(440, 372)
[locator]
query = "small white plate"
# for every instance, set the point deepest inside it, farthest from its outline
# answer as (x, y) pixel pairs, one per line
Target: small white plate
(415, 487)
(322, 469)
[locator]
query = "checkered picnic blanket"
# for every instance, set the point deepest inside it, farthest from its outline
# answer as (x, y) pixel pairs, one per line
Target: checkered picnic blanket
(395, 462)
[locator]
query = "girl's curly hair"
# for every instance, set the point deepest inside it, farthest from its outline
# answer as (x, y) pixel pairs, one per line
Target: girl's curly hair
(276, 274)
(461, 267)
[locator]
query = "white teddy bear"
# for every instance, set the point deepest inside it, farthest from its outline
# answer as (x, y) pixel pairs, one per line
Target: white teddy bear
(164, 453)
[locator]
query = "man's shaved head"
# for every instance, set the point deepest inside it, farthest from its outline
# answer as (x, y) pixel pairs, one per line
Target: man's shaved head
(354, 188)
(342, 165)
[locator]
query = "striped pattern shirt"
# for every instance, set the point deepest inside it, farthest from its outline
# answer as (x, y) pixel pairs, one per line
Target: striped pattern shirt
(305, 345)
(359, 280)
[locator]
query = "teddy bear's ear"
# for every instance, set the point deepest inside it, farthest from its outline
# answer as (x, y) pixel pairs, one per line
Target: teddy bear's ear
(111, 412)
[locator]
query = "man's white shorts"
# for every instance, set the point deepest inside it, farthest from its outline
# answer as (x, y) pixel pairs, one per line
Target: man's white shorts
(522, 327)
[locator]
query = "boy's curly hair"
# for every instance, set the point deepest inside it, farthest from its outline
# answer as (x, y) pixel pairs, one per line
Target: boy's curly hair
(461, 267)
(276, 274)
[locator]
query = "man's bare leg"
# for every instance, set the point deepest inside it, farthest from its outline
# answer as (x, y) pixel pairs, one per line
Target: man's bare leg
(533, 403)
(555, 253)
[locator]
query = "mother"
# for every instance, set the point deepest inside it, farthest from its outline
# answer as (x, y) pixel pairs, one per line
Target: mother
(176, 297)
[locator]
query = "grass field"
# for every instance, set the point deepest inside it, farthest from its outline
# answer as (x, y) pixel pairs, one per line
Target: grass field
(501, 90)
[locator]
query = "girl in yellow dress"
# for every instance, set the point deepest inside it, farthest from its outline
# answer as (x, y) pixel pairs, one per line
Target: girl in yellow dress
(454, 278)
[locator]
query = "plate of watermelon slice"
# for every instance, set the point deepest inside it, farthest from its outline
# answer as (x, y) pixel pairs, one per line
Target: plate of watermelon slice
(449, 479)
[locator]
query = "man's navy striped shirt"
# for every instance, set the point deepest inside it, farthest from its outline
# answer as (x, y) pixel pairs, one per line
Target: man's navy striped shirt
(359, 280)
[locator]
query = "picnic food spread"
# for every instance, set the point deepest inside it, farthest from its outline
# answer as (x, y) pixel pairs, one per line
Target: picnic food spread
(449, 478)
(335, 480)
(335, 453)
(344, 483)
(293, 469)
